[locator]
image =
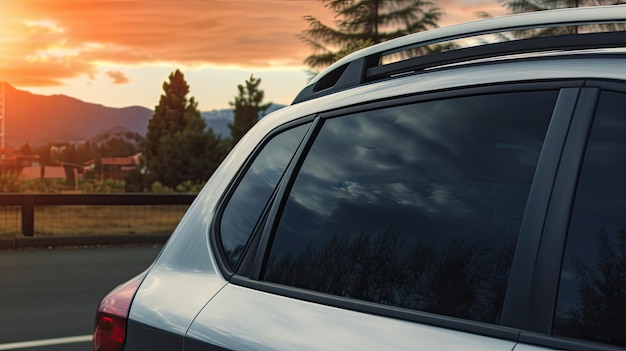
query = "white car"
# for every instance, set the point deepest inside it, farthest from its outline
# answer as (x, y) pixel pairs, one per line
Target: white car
(471, 199)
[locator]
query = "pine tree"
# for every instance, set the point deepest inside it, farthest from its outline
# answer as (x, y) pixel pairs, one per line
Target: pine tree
(178, 146)
(361, 23)
(26, 149)
(247, 108)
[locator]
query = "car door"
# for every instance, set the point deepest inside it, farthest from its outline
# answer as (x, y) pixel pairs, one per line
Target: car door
(397, 226)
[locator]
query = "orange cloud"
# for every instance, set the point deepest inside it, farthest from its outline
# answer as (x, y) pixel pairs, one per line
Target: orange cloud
(45, 42)
(118, 77)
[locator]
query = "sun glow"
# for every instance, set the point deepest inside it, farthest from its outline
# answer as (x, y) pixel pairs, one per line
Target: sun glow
(119, 52)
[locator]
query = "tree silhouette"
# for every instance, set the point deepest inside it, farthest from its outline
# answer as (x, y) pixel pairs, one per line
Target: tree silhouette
(247, 108)
(454, 278)
(600, 314)
(178, 146)
(362, 23)
(26, 149)
(118, 147)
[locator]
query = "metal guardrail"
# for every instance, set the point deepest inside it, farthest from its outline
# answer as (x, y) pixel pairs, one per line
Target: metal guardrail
(28, 202)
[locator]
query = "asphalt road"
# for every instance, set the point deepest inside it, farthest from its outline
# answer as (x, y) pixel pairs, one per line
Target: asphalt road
(51, 295)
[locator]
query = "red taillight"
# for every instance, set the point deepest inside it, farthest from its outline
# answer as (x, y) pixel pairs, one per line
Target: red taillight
(110, 331)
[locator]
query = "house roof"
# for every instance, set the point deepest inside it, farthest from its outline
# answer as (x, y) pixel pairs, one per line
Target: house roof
(115, 161)
(34, 172)
(7, 151)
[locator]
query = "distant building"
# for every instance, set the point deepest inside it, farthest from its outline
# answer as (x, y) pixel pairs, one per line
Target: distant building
(47, 172)
(112, 167)
(12, 161)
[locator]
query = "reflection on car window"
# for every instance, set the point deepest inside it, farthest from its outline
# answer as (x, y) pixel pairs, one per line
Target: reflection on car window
(417, 206)
(592, 294)
(253, 192)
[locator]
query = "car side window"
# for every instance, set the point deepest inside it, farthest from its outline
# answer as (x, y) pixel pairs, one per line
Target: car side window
(591, 303)
(254, 191)
(417, 206)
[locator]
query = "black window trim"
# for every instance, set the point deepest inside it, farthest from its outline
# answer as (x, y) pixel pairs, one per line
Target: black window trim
(214, 229)
(515, 311)
(552, 249)
(282, 189)
(543, 289)
(509, 330)
(563, 343)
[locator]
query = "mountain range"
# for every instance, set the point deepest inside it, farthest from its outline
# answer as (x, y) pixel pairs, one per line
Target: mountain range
(218, 120)
(38, 119)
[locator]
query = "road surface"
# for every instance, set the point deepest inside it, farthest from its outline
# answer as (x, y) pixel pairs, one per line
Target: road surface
(48, 298)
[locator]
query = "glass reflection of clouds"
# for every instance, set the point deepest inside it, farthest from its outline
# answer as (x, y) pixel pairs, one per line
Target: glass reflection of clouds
(444, 172)
(437, 156)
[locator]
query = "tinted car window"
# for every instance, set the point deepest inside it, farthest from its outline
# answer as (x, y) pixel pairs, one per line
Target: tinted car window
(253, 192)
(417, 206)
(592, 295)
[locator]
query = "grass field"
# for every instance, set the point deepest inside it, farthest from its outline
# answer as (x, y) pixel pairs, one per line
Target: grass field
(93, 220)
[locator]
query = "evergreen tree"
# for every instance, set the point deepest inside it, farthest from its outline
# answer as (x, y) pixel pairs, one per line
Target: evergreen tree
(70, 154)
(247, 108)
(26, 149)
(118, 147)
(361, 23)
(178, 146)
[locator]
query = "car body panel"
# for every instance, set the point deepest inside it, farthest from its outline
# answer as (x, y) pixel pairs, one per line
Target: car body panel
(183, 277)
(240, 318)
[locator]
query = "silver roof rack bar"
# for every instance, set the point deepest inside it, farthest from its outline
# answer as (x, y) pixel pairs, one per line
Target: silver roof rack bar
(365, 65)
(522, 21)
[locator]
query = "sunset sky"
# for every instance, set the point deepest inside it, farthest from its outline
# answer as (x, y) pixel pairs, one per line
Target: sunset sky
(119, 52)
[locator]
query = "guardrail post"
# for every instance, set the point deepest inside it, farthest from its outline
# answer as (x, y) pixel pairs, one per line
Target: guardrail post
(28, 216)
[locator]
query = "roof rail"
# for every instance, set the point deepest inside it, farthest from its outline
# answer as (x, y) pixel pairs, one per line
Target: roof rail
(365, 65)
